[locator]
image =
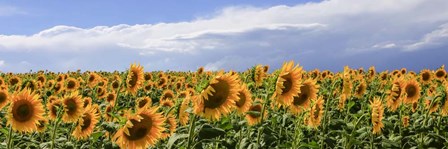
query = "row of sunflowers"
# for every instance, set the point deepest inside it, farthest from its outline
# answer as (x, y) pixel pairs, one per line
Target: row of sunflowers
(284, 108)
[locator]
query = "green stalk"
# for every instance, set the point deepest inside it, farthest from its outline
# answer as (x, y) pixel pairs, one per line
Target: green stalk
(10, 143)
(191, 131)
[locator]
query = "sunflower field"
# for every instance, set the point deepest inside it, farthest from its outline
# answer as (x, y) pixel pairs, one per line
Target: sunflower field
(257, 108)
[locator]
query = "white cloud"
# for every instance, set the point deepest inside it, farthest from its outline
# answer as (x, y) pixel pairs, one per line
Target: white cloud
(2, 63)
(323, 34)
(438, 37)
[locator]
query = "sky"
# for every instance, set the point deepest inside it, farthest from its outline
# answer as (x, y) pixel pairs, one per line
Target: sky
(226, 35)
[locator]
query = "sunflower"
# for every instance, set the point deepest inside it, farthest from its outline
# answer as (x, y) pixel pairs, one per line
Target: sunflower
(115, 84)
(42, 125)
(86, 123)
(218, 98)
(87, 102)
(259, 75)
(144, 102)
(148, 76)
(166, 103)
(25, 111)
(377, 115)
(15, 80)
(92, 79)
(111, 97)
(253, 116)
(50, 84)
(167, 95)
(425, 76)
(371, 73)
(395, 95)
(440, 74)
(73, 107)
(101, 92)
(4, 98)
(308, 92)
(360, 90)
(316, 113)
(432, 108)
(71, 84)
(52, 107)
(444, 110)
(170, 125)
(58, 87)
(412, 90)
(341, 103)
(135, 78)
(288, 84)
(42, 79)
(141, 130)
(200, 70)
(183, 115)
(163, 81)
(107, 116)
(60, 78)
(244, 100)
(148, 86)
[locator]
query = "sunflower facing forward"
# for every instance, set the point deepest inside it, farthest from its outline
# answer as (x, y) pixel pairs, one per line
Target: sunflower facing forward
(288, 84)
(218, 98)
(244, 100)
(141, 130)
(86, 123)
(73, 107)
(412, 90)
(308, 92)
(135, 78)
(25, 111)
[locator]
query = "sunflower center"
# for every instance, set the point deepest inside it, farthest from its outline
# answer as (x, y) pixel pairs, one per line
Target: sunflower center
(71, 106)
(142, 103)
(140, 129)
(87, 119)
(133, 79)
(287, 83)
(219, 97)
(22, 111)
(303, 95)
(2, 97)
(91, 78)
(425, 76)
(411, 91)
(115, 84)
(71, 84)
(440, 73)
(242, 100)
(360, 89)
(14, 81)
(110, 97)
(256, 108)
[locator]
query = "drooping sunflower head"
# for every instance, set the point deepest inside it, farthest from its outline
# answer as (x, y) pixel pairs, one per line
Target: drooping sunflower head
(4, 98)
(377, 115)
(412, 90)
(25, 111)
(316, 112)
(141, 130)
(86, 123)
(244, 100)
(396, 92)
(218, 98)
(302, 101)
(183, 115)
(73, 107)
(288, 84)
(405, 120)
(107, 113)
(163, 81)
(259, 75)
(101, 92)
(170, 125)
(360, 89)
(425, 76)
(135, 78)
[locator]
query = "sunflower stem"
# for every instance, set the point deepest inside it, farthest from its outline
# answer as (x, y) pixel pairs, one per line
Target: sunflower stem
(10, 143)
(191, 131)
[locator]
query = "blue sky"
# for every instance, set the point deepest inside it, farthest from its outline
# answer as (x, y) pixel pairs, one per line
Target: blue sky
(231, 34)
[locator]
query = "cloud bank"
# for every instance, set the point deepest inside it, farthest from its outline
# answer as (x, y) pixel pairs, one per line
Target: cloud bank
(323, 35)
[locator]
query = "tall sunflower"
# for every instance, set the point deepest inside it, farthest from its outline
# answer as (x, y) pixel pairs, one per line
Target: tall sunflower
(426, 76)
(288, 84)
(218, 98)
(86, 123)
(412, 90)
(4, 98)
(73, 107)
(135, 78)
(308, 92)
(377, 115)
(259, 75)
(244, 100)
(316, 112)
(395, 96)
(440, 73)
(25, 111)
(141, 130)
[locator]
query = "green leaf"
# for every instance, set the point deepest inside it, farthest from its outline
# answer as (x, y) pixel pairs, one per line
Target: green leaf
(210, 132)
(174, 138)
